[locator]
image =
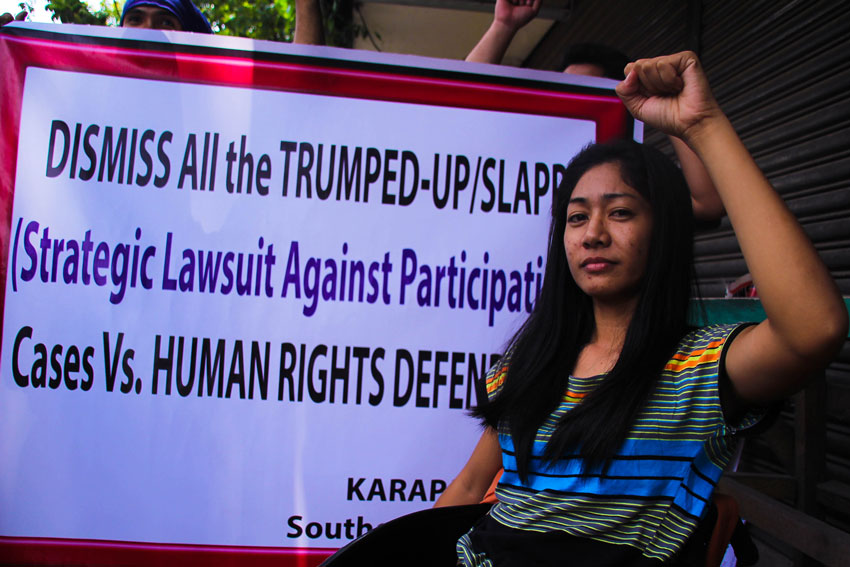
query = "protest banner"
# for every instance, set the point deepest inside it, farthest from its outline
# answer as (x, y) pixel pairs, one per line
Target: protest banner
(249, 287)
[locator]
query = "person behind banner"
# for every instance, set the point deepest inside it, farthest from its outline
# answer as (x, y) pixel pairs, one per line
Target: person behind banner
(612, 418)
(594, 60)
(175, 15)
(183, 15)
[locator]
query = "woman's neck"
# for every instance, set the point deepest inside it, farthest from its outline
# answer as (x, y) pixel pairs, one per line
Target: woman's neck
(612, 319)
(600, 354)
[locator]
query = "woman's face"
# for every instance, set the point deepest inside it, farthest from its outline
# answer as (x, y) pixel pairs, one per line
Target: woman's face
(607, 236)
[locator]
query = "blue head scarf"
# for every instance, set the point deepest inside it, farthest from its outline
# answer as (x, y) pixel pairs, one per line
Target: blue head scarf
(191, 19)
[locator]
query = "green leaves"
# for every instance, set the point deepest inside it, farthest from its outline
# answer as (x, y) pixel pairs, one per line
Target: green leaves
(274, 20)
(78, 12)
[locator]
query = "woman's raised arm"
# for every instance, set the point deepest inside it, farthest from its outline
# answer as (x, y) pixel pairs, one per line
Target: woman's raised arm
(806, 318)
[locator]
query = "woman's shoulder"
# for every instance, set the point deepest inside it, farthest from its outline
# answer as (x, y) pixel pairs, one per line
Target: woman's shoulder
(495, 376)
(703, 347)
(710, 336)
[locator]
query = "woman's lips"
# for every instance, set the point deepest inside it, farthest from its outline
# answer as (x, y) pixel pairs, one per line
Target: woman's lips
(594, 265)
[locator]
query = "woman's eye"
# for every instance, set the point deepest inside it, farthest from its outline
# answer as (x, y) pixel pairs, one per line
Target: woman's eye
(622, 213)
(576, 218)
(168, 24)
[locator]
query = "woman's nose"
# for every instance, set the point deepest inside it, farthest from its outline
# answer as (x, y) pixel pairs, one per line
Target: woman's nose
(596, 233)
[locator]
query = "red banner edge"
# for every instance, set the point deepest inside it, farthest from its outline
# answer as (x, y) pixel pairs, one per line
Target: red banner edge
(55, 551)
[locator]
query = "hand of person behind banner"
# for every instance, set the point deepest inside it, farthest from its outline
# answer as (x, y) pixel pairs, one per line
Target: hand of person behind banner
(516, 13)
(7, 18)
(670, 93)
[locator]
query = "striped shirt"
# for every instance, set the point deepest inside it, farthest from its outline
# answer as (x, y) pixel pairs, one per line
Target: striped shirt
(660, 482)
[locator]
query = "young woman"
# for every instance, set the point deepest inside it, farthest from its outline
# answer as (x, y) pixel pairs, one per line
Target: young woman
(613, 421)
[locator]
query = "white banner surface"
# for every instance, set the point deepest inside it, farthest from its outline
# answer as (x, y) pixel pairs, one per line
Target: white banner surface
(254, 317)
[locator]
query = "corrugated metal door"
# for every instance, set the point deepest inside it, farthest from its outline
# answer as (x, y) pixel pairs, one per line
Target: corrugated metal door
(781, 71)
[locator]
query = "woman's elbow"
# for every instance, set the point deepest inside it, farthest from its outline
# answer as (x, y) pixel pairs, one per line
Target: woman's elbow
(835, 331)
(825, 337)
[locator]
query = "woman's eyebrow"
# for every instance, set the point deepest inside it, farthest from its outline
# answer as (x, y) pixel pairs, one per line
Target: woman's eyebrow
(605, 196)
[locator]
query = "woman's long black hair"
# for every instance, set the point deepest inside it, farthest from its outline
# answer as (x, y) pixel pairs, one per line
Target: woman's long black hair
(545, 349)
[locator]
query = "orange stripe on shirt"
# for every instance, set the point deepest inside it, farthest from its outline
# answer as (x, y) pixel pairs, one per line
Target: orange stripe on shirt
(692, 361)
(698, 352)
(574, 397)
(497, 379)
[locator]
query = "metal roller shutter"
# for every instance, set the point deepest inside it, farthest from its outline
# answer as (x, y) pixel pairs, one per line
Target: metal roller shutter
(781, 71)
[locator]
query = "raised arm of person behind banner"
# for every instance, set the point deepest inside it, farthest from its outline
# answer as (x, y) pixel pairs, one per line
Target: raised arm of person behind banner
(308, 23)
(598, 61)
(578, 411)
(509, 17)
